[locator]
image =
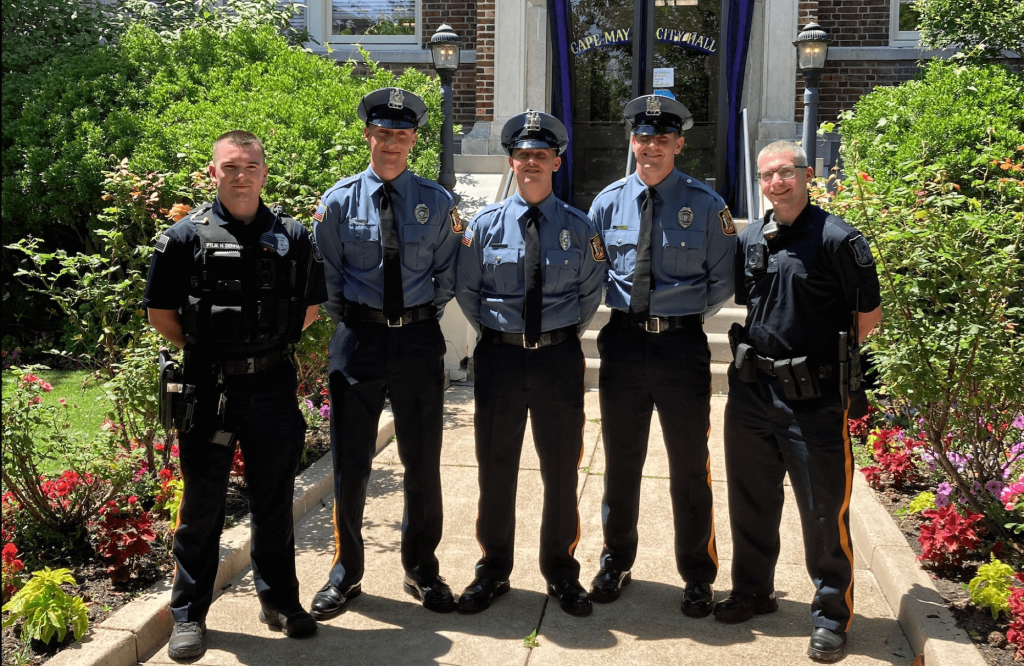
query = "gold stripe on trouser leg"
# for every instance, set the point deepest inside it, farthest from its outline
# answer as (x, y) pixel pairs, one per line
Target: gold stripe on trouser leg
(844, 536)
(337, 536)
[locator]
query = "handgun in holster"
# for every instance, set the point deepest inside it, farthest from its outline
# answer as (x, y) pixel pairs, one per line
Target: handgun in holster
(744, 356)
(176, 398)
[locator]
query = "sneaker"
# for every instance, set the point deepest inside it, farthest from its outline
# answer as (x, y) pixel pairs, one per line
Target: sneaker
(186, 640)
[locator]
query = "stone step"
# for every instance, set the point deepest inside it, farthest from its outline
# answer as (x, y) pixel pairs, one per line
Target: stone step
(719, 343)
(719, 380)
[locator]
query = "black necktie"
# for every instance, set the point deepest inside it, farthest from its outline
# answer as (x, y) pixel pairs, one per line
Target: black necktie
(533, 306)
(394, 303)
(640, 296)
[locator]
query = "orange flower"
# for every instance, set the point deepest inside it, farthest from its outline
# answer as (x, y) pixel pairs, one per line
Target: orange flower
(178, 211)
(864, 175)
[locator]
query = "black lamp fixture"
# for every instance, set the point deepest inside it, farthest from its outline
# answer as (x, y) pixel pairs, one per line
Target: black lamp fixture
(446, 50)
(811, 55)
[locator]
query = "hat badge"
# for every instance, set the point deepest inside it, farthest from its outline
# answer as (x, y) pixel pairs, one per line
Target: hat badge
(532, 121)
(397, 99)
(653, 105)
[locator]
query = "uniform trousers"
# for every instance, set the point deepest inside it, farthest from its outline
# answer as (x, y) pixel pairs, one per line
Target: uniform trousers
(547, 383)
(670, 371)
(369, 362)
(262, 411)
(767, 436)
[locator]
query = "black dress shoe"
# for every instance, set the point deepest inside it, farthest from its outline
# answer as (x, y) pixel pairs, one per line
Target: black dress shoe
(435, 595)
(329, 601)
(294, 621)
(480, 592)
(571, 596)
(608, 584)
(741, 607)
(698, 600)
(827, 645)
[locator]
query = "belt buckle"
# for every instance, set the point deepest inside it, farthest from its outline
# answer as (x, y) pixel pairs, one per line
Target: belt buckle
(657, 325)
(250, 365)
(527, 345)
(394, 324)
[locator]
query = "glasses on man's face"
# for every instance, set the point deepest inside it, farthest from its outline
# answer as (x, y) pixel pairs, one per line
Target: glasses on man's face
(786, 172)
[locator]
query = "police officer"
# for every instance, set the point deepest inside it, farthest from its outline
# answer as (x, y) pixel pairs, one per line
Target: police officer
(389, 240)
(671, 242)
(529, 279)
(807, 278)
(234, 284)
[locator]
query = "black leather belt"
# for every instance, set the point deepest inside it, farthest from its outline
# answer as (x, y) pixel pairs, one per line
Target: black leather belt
(692, 322)
(549, 339)
(767, 366)
(248, 366)
(373, 316)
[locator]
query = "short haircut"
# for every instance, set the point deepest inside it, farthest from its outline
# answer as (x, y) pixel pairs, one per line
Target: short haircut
(239, 138)
(783, 147)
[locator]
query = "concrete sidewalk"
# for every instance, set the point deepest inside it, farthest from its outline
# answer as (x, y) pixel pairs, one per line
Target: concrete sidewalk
(386, 626)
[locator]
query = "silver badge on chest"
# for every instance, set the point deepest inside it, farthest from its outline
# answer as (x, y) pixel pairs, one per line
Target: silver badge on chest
(282, 244)
(563, 239)
(422, 213)
(685, 217)
(397, 99)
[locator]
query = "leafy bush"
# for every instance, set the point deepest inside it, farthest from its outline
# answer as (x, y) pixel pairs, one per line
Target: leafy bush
(991, 587)
(11, 566)
(123, 535)
(47, 609)
(947, 537)
(982, 27)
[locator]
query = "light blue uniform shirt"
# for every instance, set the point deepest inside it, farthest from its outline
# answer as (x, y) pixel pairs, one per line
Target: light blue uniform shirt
(691, 260)
(491, 286)
(348, 235)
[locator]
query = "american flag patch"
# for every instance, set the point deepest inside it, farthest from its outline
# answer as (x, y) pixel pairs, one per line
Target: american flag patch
(467, 238)
(319, 214)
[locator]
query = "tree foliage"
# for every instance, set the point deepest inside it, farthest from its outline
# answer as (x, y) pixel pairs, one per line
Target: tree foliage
(983, 28)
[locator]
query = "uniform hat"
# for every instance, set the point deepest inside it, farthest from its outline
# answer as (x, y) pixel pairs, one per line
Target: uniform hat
(534, 129)
(656, 114)
(393, 108)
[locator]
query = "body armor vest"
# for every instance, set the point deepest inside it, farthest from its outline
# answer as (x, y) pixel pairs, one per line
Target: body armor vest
(245, 293)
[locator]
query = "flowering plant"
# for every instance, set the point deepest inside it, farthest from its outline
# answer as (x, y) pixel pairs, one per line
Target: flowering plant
(11, 566)
(947, 537)
(123, 535)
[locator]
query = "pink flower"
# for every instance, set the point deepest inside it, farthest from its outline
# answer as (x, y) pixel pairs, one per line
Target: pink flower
(37, 400)
(63, 401)
(133, 499)
(47, 387)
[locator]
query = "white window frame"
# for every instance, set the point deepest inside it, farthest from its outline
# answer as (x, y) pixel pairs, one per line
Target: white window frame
(899, 37)
(319, 26)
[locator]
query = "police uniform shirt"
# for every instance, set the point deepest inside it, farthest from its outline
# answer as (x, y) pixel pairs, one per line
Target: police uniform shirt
(167, 287)
(801, 287)
(492, 286)
(348, 235)
(692, 244)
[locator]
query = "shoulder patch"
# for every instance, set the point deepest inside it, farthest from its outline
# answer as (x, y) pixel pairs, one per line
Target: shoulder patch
(862, 251)
(457, 226)
(467, 238)
(597, 248)
(321, 210)
(161, 243)
(728, 228)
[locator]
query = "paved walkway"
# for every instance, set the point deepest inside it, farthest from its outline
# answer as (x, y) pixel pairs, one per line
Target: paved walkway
(386, 626)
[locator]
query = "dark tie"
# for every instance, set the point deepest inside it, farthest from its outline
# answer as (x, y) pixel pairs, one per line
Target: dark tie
(533, 306)
(640, 296)
(394, 303)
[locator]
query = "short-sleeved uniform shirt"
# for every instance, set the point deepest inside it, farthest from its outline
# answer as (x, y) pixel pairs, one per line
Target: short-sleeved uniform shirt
(348, 235)
(693, 242)
(801, 287)
(178, 248)
(491, 284)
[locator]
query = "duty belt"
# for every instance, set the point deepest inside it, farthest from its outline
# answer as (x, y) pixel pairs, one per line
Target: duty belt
(691, 322)
(767, 366)
(370, 315)
(549, 339)
(248, 366)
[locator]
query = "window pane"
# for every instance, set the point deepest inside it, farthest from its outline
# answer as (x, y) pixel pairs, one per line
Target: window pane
(909, 16)
(373, 17)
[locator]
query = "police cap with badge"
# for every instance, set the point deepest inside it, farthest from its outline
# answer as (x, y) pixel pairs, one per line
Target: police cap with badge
(656, 114)
(534, 129)
(393, 108)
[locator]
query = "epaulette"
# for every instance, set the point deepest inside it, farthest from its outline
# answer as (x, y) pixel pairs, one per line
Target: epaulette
(199, 214)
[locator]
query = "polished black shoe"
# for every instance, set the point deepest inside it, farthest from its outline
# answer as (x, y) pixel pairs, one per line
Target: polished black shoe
(571, 596)
(186, 640)
(741, 607)
(607, 585)
(294, 621)
(435, 595)
(698, 600)
(827, 645)
(480, 592)
(330, 600)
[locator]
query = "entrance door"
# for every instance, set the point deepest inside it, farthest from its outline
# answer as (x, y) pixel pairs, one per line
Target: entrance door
(686, 43)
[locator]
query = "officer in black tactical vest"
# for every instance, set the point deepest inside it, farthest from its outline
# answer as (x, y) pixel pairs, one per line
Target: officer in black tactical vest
(234, 284)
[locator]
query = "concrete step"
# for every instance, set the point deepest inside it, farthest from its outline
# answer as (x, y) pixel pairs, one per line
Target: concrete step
(719, 343)
(719, 380)
(719, 323)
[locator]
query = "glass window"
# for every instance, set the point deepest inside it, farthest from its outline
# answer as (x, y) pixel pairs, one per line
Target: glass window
(903, 26)
(355, 21)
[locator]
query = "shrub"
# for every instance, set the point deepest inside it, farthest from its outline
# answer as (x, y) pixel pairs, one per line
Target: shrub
(11, 566)
(123, 535)
(991, 587)
(47, 609)
(947, 537)
(982, 27)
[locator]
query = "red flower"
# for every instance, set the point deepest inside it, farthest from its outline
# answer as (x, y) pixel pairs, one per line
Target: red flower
(948, 536)
(873, 476)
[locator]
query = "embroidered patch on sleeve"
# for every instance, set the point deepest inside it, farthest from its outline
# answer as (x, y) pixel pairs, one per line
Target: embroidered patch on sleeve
(321, 210)
(457, 227)
(467, 238)
(728, 228)
(161, 243)
(597, 248)
(862, 251)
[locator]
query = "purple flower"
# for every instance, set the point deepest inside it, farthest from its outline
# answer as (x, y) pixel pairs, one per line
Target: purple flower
(1018, 422)
(944, 489)
(995, 487)
(941, 500)
(325, 410)
(309, 405)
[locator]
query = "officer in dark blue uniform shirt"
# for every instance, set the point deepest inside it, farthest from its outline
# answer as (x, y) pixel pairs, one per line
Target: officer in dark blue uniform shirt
(529, 279)
(671, 241)
(234, 284)
(809, 282)
(389, 240)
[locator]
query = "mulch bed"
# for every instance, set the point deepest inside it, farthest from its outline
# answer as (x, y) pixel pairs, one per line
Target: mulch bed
(104, 598)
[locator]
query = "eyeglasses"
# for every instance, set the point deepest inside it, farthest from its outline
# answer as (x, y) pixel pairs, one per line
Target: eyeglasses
(786, 172)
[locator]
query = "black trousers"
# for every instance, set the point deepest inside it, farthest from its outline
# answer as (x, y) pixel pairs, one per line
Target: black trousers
(672, 371)
(548, 384)
(367, 363)
(767, 436)
(263, 412)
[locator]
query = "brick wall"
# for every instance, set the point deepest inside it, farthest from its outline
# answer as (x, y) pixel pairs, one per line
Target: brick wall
(485, 60)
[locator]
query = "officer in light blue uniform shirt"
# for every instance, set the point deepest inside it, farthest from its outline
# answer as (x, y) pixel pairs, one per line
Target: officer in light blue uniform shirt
(529, 278)
(670, 241)
(389, 240)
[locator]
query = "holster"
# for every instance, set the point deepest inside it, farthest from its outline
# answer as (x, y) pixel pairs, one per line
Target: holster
(176, 399)
(798, 378)
(745, 360)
